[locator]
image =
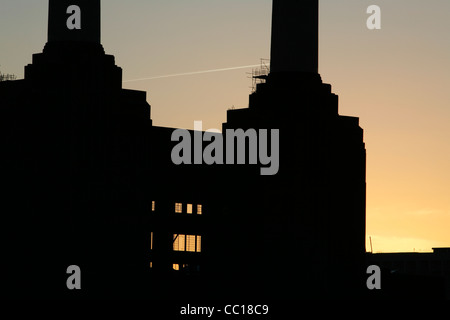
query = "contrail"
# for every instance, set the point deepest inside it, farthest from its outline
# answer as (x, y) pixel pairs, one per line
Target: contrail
(196, 72)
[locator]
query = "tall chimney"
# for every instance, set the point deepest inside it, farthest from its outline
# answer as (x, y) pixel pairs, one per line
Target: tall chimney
(74, 20)
(295, 36)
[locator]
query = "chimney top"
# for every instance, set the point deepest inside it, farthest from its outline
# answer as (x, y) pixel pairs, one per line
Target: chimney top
(295, 36)
(74, 21)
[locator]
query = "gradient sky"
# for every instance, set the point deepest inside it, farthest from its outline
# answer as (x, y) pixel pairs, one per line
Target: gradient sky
(397, 80)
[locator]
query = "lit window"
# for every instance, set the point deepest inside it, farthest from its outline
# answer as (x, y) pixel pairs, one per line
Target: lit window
(151, 265)
(176, 267)
(179, 242)
(190, 243)
(178, 207)
(199, 244)
(151, 241)
(199, 209)
(153, 205)
(189, 209)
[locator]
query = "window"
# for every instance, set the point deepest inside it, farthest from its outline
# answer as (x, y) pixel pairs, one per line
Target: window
(178, 267)
(151, 265)
(188, 243)
(199, 209)
(199, 244)
(151, 241)
(178, 207)
(179, 242)
(189, 209)
(153, 205)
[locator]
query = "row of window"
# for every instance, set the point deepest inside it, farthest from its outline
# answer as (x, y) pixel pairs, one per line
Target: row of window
(179, 208)
(189, 208)
(186, 267)
(178, 267)
(183, 242)
(188, 243)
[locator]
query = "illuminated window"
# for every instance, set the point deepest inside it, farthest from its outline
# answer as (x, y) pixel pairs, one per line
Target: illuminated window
(188, 243)
(178, 207)
(179, 242)
(153, 205)
(176, 267)
(151, 265)
(199, 244)
(189, 209)
(151, 241)
(199, 209)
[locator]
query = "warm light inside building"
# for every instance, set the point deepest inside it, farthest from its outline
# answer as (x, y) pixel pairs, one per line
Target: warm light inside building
(179, 242)
(151, 241)
(188, 243)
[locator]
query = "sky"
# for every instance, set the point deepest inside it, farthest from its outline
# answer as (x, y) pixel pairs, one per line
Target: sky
(396, 80)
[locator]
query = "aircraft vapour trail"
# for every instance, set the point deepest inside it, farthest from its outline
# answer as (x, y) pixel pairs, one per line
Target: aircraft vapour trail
(193, 73)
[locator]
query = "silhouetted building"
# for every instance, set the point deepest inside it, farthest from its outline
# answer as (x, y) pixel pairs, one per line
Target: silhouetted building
(312, 218)
(89, 181)
(73, 165)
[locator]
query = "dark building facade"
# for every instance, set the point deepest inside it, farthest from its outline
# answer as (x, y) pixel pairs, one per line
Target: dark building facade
(90, 181)
(414, 275)
(309, 218)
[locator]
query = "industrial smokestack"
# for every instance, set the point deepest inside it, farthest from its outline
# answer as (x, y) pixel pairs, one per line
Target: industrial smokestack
(74, 20)
(295, 36)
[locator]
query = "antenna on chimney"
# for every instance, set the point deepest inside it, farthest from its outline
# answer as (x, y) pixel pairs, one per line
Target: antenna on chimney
(259, 75)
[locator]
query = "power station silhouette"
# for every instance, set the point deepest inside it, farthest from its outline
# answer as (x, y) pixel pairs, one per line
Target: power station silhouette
(88, 180)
